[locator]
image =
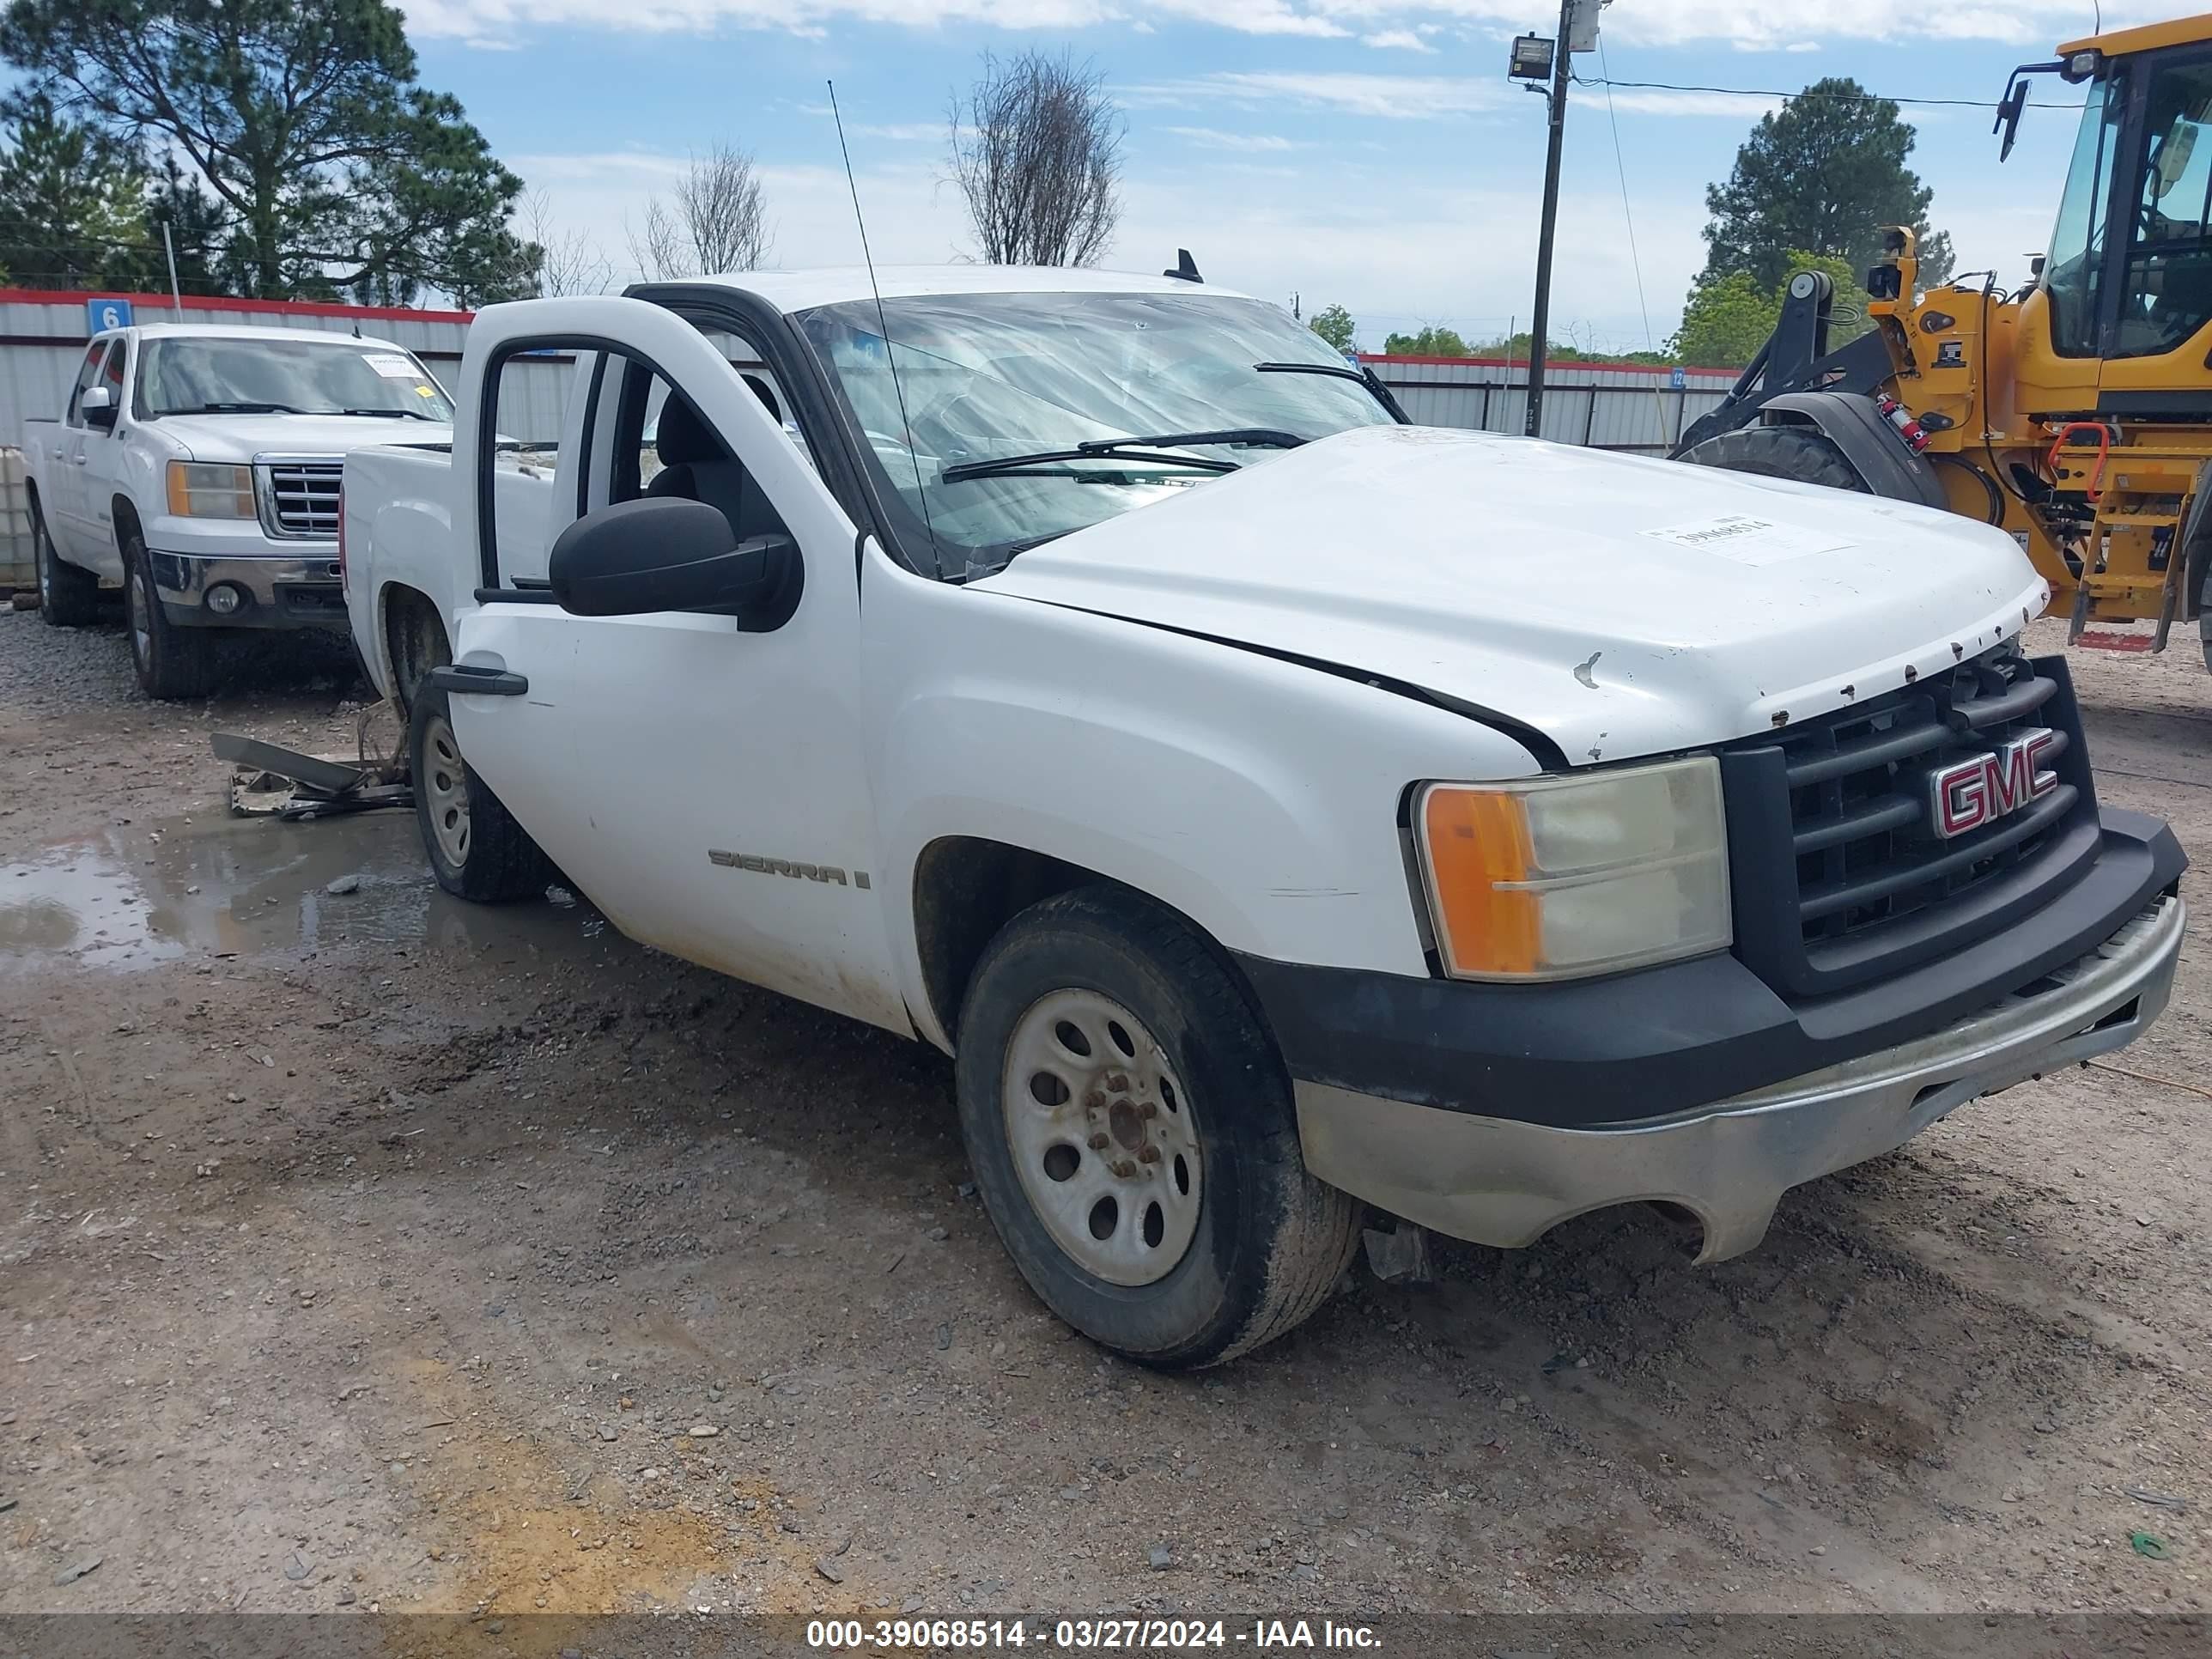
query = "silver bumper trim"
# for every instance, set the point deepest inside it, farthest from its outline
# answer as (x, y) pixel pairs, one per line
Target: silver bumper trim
(1499, 1181)
(274, 581)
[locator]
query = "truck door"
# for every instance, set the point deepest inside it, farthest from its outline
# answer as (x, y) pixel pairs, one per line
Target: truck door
(102, 464)
(70, 509)
(705, 786)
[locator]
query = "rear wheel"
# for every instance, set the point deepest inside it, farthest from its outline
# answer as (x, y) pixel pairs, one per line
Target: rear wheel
(1133, 1138)
(69, 594)
(476, 849)
(172, 662)
(1797, 452)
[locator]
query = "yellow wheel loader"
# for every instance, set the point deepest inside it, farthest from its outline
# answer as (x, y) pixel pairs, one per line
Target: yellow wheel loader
(2077, 413)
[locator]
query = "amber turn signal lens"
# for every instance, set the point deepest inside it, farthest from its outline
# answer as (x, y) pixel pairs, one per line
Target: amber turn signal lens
(1476, 841)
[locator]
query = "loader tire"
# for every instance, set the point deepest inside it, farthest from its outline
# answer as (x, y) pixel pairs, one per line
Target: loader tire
(1797, 453)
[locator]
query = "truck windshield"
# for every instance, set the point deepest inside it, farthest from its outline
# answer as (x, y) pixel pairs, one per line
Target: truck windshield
(992, 379)
(237, 376)
(2072, 273)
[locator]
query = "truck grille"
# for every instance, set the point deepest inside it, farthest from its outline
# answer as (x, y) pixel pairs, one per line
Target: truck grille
(1840, 874)
(300, 499)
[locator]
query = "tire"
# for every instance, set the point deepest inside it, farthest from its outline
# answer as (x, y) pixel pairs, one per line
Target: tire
(1218, 1240)
(172, 662)
(69, 594)
(476, 849)
(2204, 614)
(1797, 452)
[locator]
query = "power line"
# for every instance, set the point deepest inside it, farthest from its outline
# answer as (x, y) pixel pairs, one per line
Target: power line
(1793, 97)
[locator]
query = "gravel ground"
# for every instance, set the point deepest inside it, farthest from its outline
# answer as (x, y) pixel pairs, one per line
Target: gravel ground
(360, 1248)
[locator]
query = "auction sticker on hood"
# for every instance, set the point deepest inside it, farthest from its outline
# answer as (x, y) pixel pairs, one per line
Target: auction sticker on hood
(1749, 539)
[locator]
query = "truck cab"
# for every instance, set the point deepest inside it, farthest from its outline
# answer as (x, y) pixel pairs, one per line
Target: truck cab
(1276, 809)
(199, 469)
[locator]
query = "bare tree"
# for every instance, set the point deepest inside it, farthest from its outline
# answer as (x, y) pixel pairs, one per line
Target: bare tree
(573, 262)
(1036, 152)
(717, 221)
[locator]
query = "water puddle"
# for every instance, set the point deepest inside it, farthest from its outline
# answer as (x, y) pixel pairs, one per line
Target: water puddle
(139, 895)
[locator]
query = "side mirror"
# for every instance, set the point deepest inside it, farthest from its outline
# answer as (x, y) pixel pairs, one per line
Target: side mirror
(667, 554)
(97, 406)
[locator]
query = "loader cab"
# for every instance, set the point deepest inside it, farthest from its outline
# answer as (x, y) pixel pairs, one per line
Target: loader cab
(2120, 323)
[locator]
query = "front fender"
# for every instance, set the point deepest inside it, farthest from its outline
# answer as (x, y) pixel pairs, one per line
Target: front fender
(1261, 799)
(1854, 423)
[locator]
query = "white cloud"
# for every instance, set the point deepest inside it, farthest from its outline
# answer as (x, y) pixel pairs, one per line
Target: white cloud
(1214, 138)
(1650, 101)
(906, 132)
(1404, 97)
(1397, 40)
(1794, 26)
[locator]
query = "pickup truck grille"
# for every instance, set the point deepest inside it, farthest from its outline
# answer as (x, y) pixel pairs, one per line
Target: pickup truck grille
(300, 499)
(1840, 874)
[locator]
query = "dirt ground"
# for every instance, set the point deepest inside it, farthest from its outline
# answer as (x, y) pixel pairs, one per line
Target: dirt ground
(361, 1249)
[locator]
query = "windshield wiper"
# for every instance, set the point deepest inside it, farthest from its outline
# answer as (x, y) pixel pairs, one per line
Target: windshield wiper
(1342, 371)
(1134, 449)
(237, 409)
(389, 414)
(1366, 377)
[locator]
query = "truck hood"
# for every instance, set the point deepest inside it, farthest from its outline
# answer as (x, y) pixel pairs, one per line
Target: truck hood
(1619, 606)
(241, 437)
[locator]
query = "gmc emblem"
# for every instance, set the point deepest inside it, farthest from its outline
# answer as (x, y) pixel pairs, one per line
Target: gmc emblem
(1969, 793)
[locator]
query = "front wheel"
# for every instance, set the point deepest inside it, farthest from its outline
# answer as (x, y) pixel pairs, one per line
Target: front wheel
(1133, 1138)
(476, 849)
(172, 662)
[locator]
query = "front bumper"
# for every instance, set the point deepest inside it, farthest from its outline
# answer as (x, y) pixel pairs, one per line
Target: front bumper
(1505, 1182)
(284, 592)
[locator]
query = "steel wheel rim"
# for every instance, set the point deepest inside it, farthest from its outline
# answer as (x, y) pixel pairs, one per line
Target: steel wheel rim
(445, 789)
(142, 626)
(45, 555)
(1102, 1136)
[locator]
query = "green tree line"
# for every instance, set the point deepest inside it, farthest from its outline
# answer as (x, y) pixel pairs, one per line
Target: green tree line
(285, 145)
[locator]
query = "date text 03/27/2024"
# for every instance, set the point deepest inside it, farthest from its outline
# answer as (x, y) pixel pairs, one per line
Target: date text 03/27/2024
(1158, 1635)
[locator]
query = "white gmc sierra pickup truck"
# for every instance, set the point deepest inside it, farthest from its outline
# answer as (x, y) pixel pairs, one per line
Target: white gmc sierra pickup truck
(1482, 829)
(197, 466)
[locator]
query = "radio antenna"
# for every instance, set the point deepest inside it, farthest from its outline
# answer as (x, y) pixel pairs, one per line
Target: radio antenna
(890, 355)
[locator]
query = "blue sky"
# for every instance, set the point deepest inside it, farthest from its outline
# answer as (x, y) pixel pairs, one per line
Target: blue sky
(1366, 152)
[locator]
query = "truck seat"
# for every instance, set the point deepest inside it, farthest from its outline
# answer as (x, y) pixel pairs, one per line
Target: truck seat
(695, 466)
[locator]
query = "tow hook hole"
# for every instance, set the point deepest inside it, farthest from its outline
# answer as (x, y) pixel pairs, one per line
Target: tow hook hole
(1072, 1039)
(1104, 1214)
(1047, 1090)
(1059, 1161)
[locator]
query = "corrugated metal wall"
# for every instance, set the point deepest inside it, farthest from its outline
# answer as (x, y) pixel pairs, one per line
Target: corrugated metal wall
(1608, 406)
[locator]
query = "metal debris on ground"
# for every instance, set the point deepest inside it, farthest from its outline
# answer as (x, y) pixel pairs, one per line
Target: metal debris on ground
(270, 780)
(1399, 1257)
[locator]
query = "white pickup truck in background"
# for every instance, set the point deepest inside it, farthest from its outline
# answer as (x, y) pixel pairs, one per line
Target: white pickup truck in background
(1275, 808)
(200, 468)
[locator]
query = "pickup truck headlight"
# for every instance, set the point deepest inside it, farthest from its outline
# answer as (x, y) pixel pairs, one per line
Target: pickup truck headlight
(203, 489)
(1555, 877)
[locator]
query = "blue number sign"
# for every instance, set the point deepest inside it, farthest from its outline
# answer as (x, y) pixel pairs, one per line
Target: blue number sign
(101, 314)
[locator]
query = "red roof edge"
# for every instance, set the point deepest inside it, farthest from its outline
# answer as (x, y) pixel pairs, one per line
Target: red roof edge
(77, 298)
(1556, 362)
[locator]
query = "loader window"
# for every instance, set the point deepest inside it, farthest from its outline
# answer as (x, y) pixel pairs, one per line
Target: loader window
(2072, 276)
(2168, 296)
